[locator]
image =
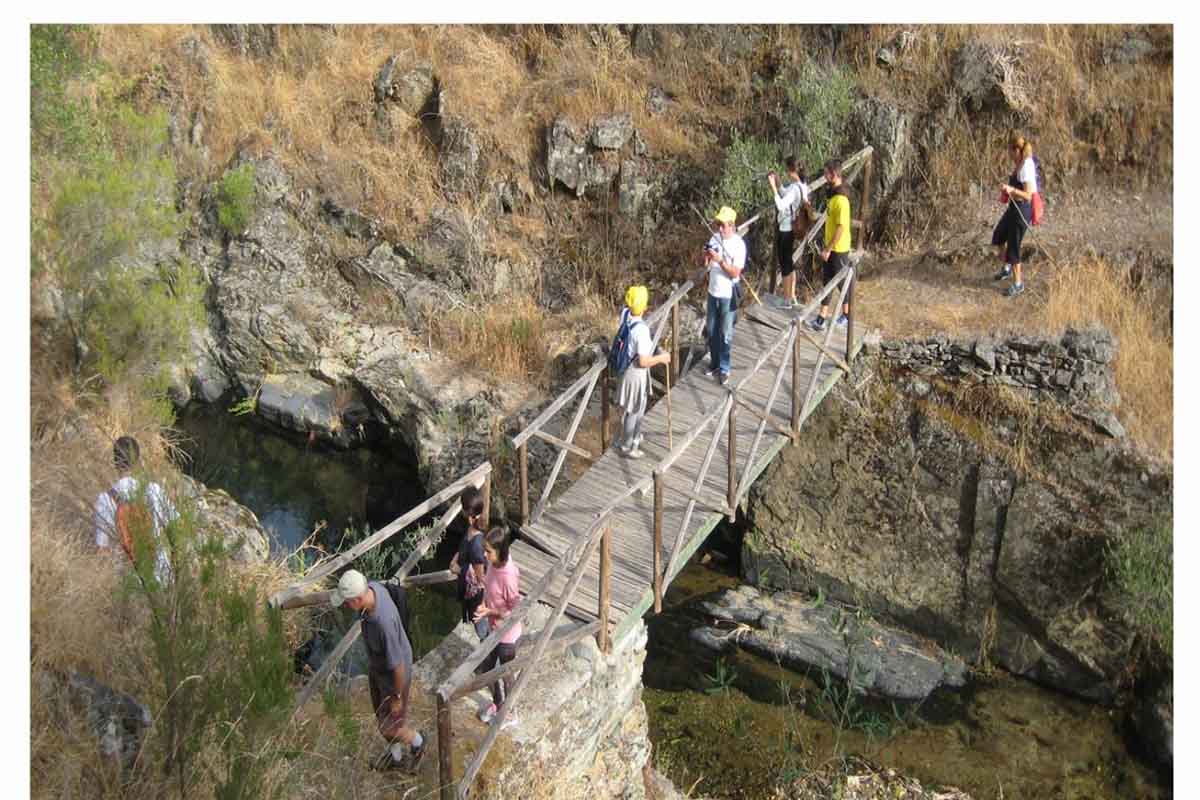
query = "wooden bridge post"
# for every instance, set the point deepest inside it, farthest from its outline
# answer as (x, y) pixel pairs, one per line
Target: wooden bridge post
(523, 462)
(850, 317)
(486, 491)
(602, 636)
(796, 388)
(732, 491)
(445, 750)
(865, 211)
(675, 343)
(604, 389)
(658, 524)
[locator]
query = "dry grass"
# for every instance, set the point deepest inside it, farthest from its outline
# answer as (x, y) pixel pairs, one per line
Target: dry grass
(1092, 291)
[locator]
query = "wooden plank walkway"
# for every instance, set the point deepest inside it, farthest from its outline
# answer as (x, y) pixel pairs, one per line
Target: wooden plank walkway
(571, 513)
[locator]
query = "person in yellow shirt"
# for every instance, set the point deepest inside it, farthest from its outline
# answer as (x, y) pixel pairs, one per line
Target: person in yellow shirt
(837, 241)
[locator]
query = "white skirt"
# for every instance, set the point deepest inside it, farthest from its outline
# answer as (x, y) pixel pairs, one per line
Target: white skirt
(634, 389)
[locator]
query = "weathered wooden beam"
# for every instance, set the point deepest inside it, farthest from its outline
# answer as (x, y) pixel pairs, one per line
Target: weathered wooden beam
(675, 343)
(706, 500)
(796, 385)
(604, 640)
(656, 561)
(463, 671)
(731, 496)
(322, 598)
(445, 750)
(560, 642)
(523, 464)
(846, 275)
(562, 454)
(847, 164)
(700, 478)
(586, 379)
(559, 443)
(744, 484)
(472, 478)
(605, 390)
(539, 649)
(765, 418)
(834, 357)
(762, 359)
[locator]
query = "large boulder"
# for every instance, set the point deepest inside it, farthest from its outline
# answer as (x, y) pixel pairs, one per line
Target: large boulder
(249, 40)
(409, 88)
(569, 162)
(119, 721)
(871, 657)
(904, 502)
(460, 156)
(237, 526)
(611, 131)
(987, 77)
(887, 128)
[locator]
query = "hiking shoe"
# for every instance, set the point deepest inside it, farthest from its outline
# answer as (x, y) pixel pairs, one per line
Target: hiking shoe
(842, 320)
(418, 753)
(634, 453)
(1002, 274)
(816, 324)
(1014, 290)
(724, 379)
(487, 714)
(710, 373)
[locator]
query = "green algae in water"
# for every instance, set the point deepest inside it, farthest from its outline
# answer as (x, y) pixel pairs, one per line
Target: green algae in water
(1002, 737)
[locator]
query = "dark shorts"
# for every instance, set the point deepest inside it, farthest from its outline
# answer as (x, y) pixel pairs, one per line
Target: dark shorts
(783, 251)
(832, 267)
(383, 688)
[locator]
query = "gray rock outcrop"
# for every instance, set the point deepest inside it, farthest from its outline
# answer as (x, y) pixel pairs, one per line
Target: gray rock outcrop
(986, 77)
(871, 657)
(251, 40)
(221, 515)
(907, 502)
(118, 720)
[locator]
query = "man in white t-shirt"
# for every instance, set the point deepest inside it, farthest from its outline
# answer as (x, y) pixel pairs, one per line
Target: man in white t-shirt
(725, 258)
(788, 203)
(126, 490)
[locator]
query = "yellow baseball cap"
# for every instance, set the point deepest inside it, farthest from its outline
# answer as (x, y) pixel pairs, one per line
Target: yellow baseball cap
(726, 215)
(637, 298)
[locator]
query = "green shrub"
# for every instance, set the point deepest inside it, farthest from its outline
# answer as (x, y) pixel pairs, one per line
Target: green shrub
(220, 663)
(742, 185)
(819, 105)
(235, 199)
(59, 126)
(132, 307)
(1142, 564)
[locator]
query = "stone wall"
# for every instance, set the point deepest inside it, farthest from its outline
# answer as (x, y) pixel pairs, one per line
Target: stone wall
(1075, 369)
(582, 729)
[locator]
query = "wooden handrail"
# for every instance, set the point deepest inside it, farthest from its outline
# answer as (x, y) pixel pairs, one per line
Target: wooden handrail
(744, 483)
(766, 356)
(465, 669)
(352, 634)
(847, 163)
(723, 418)
(474, 478)
(322, 598)
(847, 275)
(561, 458)
(560, 641)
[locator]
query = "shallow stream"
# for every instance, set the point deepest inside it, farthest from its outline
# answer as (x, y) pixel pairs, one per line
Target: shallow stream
(731, 726)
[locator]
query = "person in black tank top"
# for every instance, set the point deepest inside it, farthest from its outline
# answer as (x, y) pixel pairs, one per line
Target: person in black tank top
(1018, 211)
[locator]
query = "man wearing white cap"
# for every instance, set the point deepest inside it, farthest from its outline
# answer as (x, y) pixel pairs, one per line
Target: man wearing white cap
(389, 664)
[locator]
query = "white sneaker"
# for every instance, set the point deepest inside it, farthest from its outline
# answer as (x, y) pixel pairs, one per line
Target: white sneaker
(488, 714)
(634, 453)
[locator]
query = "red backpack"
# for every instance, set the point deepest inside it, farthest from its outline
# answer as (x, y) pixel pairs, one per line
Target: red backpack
(131, 519)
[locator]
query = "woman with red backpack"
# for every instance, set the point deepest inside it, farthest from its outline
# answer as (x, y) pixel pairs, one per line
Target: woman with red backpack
(1020, 196)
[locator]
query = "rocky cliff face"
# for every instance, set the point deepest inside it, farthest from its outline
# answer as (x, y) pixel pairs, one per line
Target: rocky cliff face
(316, 315)
(973, 515)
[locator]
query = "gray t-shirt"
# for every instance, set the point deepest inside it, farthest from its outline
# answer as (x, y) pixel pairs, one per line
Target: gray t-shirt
(385, 638)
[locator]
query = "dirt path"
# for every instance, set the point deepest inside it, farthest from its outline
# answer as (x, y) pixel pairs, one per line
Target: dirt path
(947, 286)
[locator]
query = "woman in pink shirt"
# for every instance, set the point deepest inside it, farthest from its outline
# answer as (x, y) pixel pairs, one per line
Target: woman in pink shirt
(500, 596)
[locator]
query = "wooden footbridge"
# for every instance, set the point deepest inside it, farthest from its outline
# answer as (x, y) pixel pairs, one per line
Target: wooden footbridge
(605, 549)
